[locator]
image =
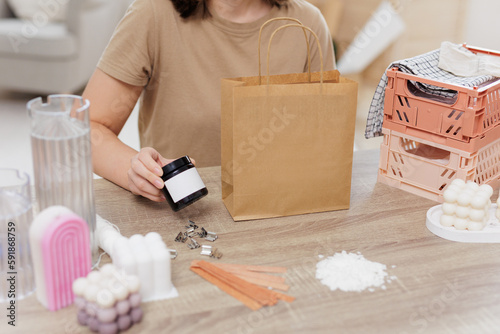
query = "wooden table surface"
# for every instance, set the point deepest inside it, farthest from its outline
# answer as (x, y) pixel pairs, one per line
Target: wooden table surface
(441, 286)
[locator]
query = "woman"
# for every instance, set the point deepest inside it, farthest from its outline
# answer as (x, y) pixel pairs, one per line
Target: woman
(174, 53)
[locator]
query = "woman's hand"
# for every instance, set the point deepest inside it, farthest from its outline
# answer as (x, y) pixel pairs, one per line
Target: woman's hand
(144, 175)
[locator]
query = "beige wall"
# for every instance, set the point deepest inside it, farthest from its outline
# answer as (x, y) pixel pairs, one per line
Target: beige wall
(482, 27)
(428, 23)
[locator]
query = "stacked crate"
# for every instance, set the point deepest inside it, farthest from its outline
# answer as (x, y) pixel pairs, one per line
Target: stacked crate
(429, 142)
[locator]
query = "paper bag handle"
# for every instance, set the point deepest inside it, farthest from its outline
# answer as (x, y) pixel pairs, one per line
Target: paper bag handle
(305, 35)
(303, 28)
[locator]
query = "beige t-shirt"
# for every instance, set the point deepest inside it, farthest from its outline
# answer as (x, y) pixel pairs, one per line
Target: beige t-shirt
(180, 63)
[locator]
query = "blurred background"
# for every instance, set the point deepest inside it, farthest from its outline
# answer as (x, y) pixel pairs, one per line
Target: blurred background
(360, 27)
(368, 36)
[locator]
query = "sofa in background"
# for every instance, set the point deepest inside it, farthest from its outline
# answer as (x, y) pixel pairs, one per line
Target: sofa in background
(45, 54)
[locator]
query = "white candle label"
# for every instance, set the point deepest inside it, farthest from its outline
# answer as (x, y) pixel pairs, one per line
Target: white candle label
(184, 184)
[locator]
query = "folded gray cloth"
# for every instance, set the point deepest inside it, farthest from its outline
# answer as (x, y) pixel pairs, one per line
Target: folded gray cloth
(425, 66)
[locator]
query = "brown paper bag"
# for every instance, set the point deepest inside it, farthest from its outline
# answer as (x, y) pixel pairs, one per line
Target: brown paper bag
(287, 143)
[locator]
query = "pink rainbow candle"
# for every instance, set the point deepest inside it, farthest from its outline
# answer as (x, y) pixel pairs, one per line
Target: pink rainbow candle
(60, 246)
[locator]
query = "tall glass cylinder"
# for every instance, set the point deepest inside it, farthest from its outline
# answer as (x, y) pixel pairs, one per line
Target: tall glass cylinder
(62, 160)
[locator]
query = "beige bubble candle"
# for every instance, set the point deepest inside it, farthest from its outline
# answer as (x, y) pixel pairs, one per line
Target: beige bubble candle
(108, 301)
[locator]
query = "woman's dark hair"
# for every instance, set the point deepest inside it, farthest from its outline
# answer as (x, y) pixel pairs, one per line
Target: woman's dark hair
(187, 8)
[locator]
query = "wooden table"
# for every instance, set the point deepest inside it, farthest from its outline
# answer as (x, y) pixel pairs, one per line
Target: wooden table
(441, 286)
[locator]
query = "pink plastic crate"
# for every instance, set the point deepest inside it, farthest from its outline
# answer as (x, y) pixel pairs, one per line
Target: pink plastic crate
(472, 145)
(425, 168)
(471, 114)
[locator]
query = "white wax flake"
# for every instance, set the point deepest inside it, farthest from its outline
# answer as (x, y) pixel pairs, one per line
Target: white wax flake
(351, 272)
(321, 256)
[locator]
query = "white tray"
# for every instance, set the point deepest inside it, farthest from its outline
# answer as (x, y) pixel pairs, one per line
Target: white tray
(490, 233)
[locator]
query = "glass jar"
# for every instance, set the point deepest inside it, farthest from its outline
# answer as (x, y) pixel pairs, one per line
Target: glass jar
(16, 269)
(183, 184)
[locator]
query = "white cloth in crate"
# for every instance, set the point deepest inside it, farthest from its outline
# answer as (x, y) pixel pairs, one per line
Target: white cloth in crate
(425, 66)
(460, 61)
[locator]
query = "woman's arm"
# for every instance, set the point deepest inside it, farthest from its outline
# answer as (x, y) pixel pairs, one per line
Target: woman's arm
(111, 102)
